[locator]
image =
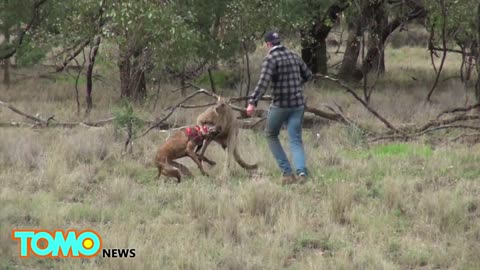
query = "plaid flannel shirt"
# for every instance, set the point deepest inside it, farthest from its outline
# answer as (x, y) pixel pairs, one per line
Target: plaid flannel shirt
(288, 73)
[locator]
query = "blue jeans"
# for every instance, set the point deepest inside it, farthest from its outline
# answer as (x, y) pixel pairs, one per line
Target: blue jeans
(293, 117)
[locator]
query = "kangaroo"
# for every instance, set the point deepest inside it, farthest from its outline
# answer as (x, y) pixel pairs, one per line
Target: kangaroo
(221, 116)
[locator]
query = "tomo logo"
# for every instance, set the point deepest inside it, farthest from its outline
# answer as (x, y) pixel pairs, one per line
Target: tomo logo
(58, 244)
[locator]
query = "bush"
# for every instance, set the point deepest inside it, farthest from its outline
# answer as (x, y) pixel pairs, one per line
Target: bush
(221, 79)
(126, 119)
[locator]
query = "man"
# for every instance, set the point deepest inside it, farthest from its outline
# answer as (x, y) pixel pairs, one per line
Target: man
(287, 72)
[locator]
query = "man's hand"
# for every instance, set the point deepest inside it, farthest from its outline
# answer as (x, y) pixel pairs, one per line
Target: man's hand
(250, 110)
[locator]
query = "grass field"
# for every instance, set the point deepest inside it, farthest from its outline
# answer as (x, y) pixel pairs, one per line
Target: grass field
(385, 206)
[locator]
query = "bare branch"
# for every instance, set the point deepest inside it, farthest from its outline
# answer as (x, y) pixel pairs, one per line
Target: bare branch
(448, 50)
(370, 109)
(447, 122)
(71, 57)
(197, 106)
(444, 41)
(463, 109)
(430, 130)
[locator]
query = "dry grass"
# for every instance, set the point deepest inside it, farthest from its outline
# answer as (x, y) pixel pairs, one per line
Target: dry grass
(395, 206)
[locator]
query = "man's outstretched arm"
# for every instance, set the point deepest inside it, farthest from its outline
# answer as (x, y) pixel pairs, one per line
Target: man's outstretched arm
(268, 67)
(305, 71)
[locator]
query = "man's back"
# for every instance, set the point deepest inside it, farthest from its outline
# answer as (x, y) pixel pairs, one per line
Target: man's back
(288, 72)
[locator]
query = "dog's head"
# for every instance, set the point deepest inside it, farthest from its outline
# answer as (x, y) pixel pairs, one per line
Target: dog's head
(209, 131)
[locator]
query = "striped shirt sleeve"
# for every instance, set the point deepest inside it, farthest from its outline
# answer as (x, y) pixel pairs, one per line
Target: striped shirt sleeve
(306, 73)
(268, 67)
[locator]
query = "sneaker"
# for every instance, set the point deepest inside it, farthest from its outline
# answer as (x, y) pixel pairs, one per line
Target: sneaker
(303, 177)
(288, 180)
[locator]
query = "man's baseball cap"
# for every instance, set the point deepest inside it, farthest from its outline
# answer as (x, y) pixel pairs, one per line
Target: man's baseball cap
(272, 37)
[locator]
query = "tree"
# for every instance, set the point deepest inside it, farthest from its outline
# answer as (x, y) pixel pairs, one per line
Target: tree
(371, 16)
(451, 22)
(75, 25)
(17, 17)
(131, 28)
(477, 55)
(383, 28)
(313, 19)
(205, 32)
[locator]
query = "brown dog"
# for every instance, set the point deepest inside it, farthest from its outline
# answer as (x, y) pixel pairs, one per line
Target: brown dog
(184, 142)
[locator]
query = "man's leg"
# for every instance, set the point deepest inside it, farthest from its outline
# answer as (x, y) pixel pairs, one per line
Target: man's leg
(276, 118)
(295, 123)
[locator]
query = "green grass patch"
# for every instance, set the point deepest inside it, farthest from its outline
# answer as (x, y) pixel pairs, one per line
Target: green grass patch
(401, 150)
(310, 242)
(87, 212)
(470, 172)
(332, 174)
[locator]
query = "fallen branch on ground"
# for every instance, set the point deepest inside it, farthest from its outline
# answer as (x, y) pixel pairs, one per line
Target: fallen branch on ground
(314, 117)
(412, 136)
(17, 111)
(463, 109)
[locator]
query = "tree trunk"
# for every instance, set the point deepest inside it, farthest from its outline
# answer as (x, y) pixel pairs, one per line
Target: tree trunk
(314, 53)
(6, 62)
(386, 28)
(348, 69)
(6, 73)
(133, 84)
(377, 43)
(124, 68)
(139, 82)
(477, 56)
(314, 46)
(91, 63)
(183, 85)
(216, 33)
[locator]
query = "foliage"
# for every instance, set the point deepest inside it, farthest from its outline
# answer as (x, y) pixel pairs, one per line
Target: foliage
(301, 14)
(460, 20)
(14, 14)
(28, 54)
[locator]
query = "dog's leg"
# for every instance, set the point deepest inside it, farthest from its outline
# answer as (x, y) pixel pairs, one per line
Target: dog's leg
(197, 161)
(184, 170)
(205, 144)
(202, 156)
(209, 161)
(169, 170)
(159, 172)
(200, 151)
